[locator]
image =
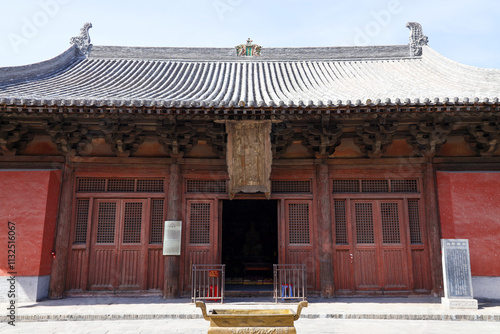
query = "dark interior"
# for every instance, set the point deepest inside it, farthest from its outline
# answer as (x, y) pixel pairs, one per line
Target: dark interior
(249, 241)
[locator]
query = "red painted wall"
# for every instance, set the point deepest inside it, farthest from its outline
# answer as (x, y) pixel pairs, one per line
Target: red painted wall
(469, 208)
(30, 199)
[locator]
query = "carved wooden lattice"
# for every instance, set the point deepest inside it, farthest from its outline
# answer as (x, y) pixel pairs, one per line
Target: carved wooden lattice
(286, 187)
(298, 216)
(404, 186)
(340, 223)
(346, 186)
(119, 185)
(374, 186)
(199, 229)
(154, 186)
(106, 222)
(364, 223)
(132, 223)
(82, 218)
(91, 185)
(206, 186)
(156, 228)
(389, 215)
(414, 222)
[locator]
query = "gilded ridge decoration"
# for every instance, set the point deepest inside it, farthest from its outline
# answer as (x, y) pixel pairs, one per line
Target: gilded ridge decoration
(248, 49)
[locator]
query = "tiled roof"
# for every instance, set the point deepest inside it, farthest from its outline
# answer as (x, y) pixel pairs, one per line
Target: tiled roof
(204, 77)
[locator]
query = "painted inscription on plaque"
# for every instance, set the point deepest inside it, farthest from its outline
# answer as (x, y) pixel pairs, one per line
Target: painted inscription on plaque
(457, 274)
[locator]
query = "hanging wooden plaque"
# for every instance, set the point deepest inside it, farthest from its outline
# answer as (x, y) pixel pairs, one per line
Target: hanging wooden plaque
(249, 156)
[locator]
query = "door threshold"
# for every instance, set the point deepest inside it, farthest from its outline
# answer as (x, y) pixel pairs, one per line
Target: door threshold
(79, 293)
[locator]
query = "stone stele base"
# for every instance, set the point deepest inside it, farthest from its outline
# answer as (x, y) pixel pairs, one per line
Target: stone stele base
(459, 303)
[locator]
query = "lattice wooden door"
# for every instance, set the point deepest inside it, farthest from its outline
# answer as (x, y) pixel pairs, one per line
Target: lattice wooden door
(118, 245)
(296, 237)
(380, 247)
(201, 236)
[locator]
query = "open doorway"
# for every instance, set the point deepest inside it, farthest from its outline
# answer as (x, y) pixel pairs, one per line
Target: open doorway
(249, 243)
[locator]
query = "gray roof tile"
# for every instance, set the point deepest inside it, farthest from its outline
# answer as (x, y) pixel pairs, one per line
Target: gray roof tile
(126, 76)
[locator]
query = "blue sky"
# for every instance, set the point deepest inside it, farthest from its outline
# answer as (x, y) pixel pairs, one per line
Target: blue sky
(35, 30)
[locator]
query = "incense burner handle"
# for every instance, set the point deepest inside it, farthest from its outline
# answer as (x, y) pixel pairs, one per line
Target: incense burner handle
(203, 310)
(299, 310)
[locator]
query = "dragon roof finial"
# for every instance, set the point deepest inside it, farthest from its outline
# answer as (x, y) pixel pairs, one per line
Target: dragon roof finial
(417, 38)
(82, 42)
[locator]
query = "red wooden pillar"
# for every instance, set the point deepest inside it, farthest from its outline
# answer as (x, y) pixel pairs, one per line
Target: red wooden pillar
(174, 212)
(324, 231)
(62, 235)
(433, 235)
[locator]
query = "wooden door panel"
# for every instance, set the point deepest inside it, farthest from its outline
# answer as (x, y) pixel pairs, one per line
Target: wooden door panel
(393, 246)
(119, 245)
(132, 252)
(299, 241)
(342, 270)
(366, 269)
(201, 236)
(102, 271)
(395, 273)
(380, 255)
(131, 269)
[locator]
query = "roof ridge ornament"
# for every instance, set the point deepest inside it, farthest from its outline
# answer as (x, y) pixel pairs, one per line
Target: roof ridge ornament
(82, 42)
(417, 38)
(248, 49)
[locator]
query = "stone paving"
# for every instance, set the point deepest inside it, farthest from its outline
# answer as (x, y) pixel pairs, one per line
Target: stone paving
(303, 326)
(339, 315)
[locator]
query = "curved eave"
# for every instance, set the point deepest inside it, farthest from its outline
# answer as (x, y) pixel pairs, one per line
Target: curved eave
(16, 74)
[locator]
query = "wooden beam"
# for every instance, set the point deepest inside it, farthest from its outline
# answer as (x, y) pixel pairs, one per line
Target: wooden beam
(324, 231)
(174, 212)
(62, 238)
